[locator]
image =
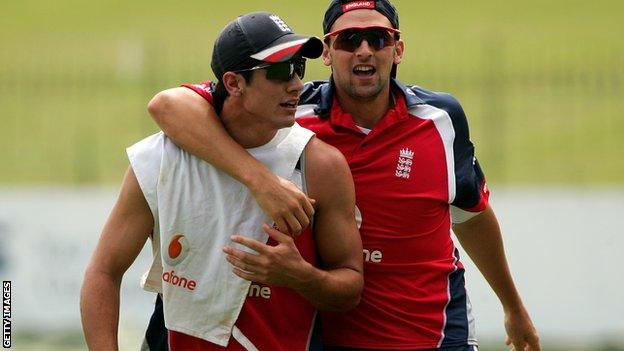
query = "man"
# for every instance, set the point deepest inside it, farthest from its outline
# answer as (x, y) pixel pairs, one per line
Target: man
(415, 175)
(193, 210)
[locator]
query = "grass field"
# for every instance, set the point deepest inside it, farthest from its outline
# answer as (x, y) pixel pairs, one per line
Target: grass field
(541, 82)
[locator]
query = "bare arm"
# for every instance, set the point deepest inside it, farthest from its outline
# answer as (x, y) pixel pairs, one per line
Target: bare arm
(191, 122)
(123, 236)
(338, 285)
(338, 241)
(482, 240)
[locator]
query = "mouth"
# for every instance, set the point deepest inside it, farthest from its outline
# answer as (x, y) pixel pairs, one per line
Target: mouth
(364, 70)
(290, 104)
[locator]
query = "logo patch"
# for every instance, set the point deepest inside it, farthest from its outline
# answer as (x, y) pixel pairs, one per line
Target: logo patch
(404, 164)
(177, 250)
(356, 5)
(280, 23)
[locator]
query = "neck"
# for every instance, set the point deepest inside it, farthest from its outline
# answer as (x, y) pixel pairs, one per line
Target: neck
(245, 129)
(366, 112)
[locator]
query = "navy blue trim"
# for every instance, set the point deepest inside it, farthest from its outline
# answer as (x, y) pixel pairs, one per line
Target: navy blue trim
(456, 328)
(316, 341)
(156, 335)
(320, 93)
(468, 174)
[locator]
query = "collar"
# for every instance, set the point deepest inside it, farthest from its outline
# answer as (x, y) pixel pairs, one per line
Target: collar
(326, 91)
(396, 113)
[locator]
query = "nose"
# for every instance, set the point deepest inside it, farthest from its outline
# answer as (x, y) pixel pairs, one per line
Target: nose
(364, 50)
(295, 85)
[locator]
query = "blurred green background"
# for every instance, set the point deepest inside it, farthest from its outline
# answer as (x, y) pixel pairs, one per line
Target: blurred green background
(541, 81)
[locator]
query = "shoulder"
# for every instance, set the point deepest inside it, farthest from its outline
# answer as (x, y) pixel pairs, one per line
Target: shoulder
(326, 166)
(312, 92)
(322, 157)
(440, 100)
(328, 179)
(440, 104)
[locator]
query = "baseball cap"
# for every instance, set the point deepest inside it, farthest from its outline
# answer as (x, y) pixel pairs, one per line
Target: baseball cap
(339, 7)
(259, 36)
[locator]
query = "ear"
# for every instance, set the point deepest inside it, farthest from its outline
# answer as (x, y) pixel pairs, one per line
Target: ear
(327, 60)
(400, 49)
(233, 83)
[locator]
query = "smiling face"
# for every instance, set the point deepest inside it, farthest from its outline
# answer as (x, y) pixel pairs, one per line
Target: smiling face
(363, 74)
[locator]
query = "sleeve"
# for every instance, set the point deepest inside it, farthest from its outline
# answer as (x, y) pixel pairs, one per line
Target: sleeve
(204, 90)
(145, 159)
(472, 194)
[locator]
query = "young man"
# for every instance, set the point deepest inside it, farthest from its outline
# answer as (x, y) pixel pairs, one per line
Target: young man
(415, 175)
(228, 281)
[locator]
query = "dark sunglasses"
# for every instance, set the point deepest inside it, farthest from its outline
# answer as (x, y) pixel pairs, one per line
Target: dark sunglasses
(351, 38)
(281, 71)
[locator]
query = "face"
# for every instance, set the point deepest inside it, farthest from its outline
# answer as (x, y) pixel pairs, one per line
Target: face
(271, 102)
(364, 73)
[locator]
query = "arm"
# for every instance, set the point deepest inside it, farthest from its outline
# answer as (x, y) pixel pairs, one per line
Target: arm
(339, 284)
(123, 236)
(191, 122)
(481, 238)
(338, 240)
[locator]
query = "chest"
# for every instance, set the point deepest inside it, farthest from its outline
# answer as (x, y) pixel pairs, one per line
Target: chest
(404, 162)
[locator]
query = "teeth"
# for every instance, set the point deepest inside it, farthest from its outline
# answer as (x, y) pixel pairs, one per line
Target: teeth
(363, 69)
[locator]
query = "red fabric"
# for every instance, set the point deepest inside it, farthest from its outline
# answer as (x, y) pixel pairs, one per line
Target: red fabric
(281, 322)
(409, 253)
(406, 221)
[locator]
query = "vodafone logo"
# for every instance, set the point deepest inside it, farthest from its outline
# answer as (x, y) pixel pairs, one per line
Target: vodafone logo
(175, 280)
(177, 250)
(355, 5)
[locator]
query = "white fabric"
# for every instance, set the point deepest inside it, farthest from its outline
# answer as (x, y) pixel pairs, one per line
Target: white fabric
(459, 215)
(188, 196)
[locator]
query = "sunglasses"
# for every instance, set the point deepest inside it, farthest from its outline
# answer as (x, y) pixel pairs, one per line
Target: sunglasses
(350, 39)
(281, 71)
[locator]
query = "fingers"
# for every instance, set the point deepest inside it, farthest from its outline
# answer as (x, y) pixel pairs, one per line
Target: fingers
(518, 346)
(243, 274)
(534, 344)
(294, 227)
(303, 220)
(276, 234)
(250, 243)
(280, 223)
(308, 207)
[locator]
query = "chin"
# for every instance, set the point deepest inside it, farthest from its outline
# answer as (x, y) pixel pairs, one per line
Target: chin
(287, 122)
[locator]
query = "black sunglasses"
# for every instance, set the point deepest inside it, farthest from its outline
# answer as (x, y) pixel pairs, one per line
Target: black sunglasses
(351, 38)
(281, 71)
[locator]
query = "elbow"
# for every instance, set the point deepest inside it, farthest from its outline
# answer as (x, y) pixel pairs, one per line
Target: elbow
(347, 303)
(350, 303)
(160, 106)
(349, 299)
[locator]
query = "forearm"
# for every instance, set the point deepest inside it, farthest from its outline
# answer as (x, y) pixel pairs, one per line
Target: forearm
(99, 308)
(188, 120)
(481, 238)
(333, 290)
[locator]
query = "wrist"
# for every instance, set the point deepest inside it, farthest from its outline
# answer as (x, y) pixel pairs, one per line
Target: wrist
(256, 178)
(308, 279)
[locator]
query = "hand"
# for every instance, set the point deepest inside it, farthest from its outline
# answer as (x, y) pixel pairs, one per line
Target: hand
(280, 265)
(521, 332)
(284, 203)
